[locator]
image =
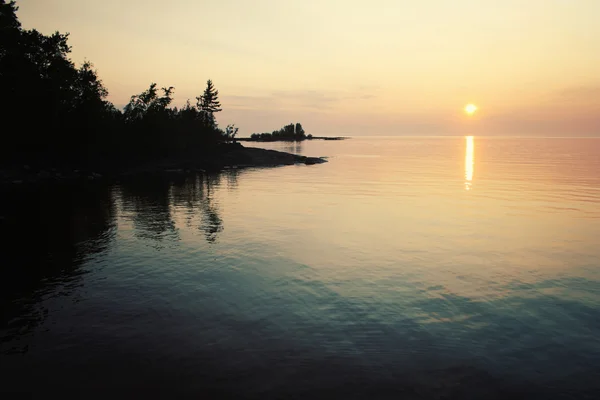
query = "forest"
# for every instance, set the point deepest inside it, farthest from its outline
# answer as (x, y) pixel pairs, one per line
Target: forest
(56, 113)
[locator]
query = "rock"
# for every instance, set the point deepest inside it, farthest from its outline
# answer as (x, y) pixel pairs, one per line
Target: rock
(314, 160)
(17, 181)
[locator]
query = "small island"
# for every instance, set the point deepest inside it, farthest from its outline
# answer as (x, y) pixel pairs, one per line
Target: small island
(289, 133)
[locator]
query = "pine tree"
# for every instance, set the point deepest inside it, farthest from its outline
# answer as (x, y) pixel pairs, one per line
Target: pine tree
(209, 101)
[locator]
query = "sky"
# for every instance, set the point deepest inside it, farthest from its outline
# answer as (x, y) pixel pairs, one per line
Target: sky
(350, 67)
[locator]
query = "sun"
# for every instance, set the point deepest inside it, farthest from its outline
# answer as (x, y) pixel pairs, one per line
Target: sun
(470, 109)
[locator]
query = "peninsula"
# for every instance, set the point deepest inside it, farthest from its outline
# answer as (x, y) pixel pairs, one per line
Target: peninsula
(74, 132)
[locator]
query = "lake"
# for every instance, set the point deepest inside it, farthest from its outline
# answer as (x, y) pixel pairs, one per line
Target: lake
(405, 267)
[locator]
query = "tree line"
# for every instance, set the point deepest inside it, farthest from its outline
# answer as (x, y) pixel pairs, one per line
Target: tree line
(55, 112)
(289, 132)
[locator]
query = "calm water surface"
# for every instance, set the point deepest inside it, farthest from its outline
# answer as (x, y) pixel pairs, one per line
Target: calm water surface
(404, 267)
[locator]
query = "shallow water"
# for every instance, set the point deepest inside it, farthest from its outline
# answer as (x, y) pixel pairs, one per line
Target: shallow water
(413, 267)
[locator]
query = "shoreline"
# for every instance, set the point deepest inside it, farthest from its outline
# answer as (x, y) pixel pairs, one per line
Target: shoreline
(228, 156)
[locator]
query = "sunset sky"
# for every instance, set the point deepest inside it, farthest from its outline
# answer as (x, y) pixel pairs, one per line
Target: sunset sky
(379, 67)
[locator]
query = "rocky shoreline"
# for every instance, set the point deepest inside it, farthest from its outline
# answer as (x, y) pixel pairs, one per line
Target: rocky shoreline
(228, 156)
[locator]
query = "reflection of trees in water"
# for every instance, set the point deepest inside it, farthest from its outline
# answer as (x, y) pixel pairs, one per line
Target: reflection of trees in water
(232, 178)
(292, 147)
(196, 195)
(147, 199)
(155, 203)
(47, 235)
(212, 223)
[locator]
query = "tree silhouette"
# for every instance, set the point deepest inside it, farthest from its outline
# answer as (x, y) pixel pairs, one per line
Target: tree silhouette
(230, 132)
(208, 104)
(148, 102)
(8, 17)
(209, 101)
(36, 66)
(299, 131)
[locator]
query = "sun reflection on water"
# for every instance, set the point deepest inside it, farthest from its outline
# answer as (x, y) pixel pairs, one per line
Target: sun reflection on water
(469, 162)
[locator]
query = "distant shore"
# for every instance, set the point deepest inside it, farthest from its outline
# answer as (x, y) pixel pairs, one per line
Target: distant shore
(227, 156)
